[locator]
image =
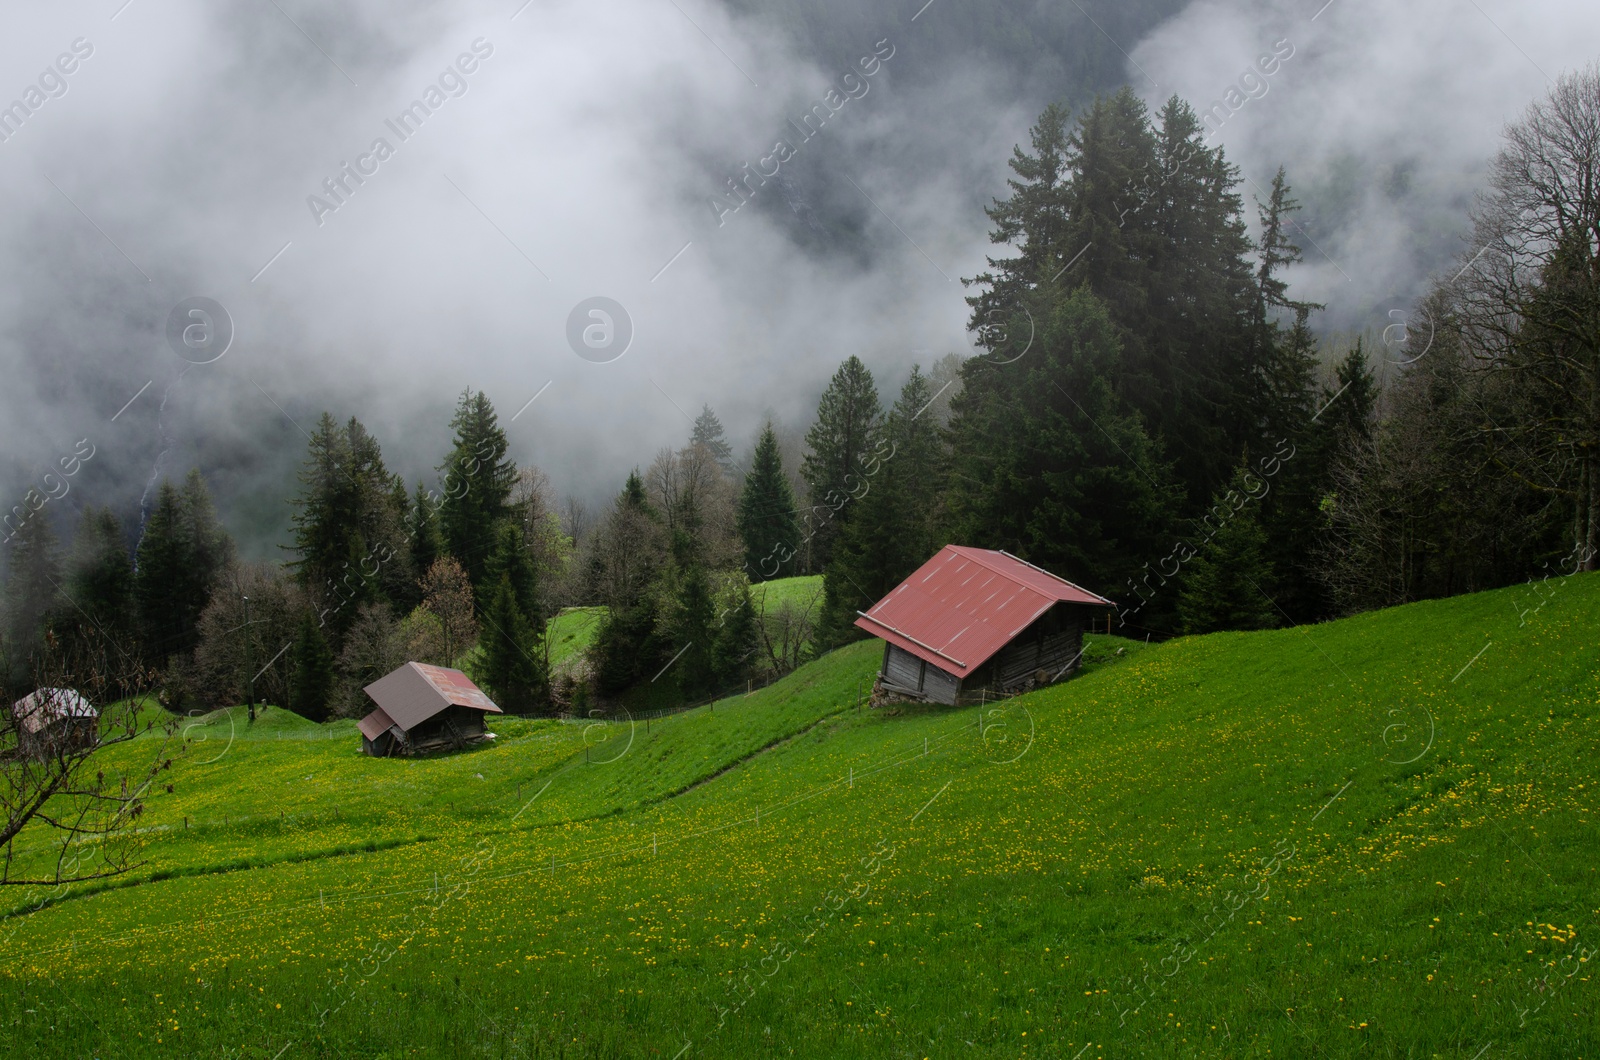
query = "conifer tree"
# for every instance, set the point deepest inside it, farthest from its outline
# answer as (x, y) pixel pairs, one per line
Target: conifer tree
(838, 444)
(32, 594)
(629, 553)
(348, 538)
(692, 636)
(1048, 463)
(737, 640)
(708, 432)
(1225, 583)
(100, 580)
(211, 549)
(766, 519)
(422, 531)
(182, 555)
(511, 560)
(1349, 406)
(312, 686)
(511, 665)
(894, 529)
(1148, 220)
(477, 485)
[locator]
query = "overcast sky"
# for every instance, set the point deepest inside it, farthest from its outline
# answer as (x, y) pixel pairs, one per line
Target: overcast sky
(579, 158)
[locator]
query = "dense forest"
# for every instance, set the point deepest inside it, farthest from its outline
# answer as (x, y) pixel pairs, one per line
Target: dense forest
(1154, 417)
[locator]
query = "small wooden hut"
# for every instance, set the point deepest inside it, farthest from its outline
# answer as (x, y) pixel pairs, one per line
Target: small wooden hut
(974, 624)
(54, 720)
(421, 708)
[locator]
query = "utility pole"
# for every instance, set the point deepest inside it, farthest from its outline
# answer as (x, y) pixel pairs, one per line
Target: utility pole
(250, 663)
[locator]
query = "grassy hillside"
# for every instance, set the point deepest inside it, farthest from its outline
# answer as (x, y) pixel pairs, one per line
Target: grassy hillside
(571, 632)
(1374, 837)
(798, 591)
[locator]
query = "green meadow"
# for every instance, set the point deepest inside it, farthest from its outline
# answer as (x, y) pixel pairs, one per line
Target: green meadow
(1369, 838)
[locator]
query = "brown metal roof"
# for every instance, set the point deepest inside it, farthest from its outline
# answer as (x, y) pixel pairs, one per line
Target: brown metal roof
(965, 604)
(375, 724)
(416, 692)
(45, 705)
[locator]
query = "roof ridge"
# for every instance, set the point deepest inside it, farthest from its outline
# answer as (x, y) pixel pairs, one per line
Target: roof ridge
(1057, 577)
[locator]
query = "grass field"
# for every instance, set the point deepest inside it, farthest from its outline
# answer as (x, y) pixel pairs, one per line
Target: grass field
(1375, 837)
(570, 633)
(799, 591)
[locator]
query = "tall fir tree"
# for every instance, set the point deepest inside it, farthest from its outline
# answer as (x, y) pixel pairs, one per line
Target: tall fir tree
(629, 551)
(100, 581)
(32, 594)
(737, 640)
(1048, 463)
(512, 562)
(767, 520)
(182, 555)
(692, 634)
(895, 526)
(837, 446)
(512, 661)
(311, 688)
(1348, 409)
(423, 536)
(1225, 583)
(477, 485)
(708, 431)
(1148, 219)
(348, 533)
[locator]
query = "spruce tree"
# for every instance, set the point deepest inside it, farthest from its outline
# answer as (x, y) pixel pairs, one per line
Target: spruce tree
(211, 550)
(737, 640)
(766, 518)
(511, 664)
(1148, 219)
(511, 561)
(312, 686)
(181, 557)
(477, 485)
(838, 445)
(709, 433)
(32, 594)
(1048, 463)
(348, 540)
(422, 531)
(692, 636)
(629, 553)
(894, 529)
(161, 574)
(100, 581)
(1348, 408)
(1225, 583)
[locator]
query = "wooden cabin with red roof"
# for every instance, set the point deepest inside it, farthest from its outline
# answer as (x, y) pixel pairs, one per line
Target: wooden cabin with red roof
(974, 624)
(424, 708)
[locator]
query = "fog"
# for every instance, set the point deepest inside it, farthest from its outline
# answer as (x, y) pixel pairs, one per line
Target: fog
(579, 151)
(1385, 119)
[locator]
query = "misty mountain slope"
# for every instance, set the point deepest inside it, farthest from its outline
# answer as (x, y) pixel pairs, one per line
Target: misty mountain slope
(961, 64)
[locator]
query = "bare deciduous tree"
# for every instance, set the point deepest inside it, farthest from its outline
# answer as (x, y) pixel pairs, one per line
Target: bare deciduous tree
(447, 595)
(68, 816)
(1529, 296)
(235, 650)
(696, 499)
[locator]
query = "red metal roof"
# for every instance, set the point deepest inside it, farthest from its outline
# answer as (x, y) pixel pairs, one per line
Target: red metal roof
(375, 724)
(965, 604)
(416, 692)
